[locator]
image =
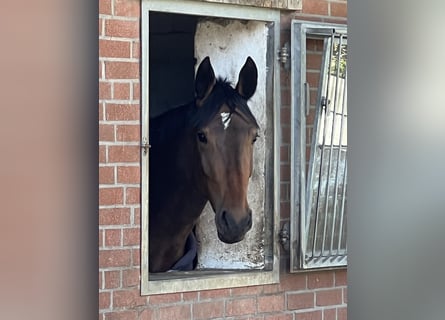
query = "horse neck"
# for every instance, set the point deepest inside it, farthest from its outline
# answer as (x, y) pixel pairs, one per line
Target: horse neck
(181, 169)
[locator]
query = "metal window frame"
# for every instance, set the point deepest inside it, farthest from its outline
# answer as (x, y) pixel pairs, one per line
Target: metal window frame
(300, 32)
(205, 280)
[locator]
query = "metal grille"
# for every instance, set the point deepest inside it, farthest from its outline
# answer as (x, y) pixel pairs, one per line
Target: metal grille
(326, 188)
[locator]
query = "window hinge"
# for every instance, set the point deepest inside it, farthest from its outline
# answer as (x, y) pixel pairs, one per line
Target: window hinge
(284, 56)
(145, 145)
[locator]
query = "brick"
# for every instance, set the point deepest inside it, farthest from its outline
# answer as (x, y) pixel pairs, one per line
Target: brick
(213, 294)
(330, 314)
(339, 9)
(341, 278)
(105, 7)
(121, 315)
(318, 7)
(131, 236)
(136, 91)
(128, 174)
(136, 256)
(342, 314)
(271, 303)
(329, 297)
(106, 175)
(208, 310)
(102, 154)
(123, 153)
(137, 216)
(345, 295)
(190, 296)
(121, 70)
(284, 172)
(121, 112)
(147, 314)
(132, 195)
(112, 279)
(310, 315)
(279, 317)
(114, 258)
(122, 28)
(136, 50)
(100, 280)
(130, 278)
(285, 191)
(179, 312)
(247, 291)
(285, 134)
(110, 196)
(284, 210)
(293, 282)
(165, 298)
(320, 280)
(312, 78)
(313, 61)
(121, 91)
(114, 49)
(285, 116)
(128, 299)
(104, 90)
(101, 23)
(106, 132)
(284, 154)
(113, 237)
(101, 111)
(271, 288)
(114, 216)
(300, 300)
(240, 307)
(104, 300)
(129, 133)
(127, 8)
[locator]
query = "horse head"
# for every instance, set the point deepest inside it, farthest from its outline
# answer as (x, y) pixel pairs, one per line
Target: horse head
(224, 132)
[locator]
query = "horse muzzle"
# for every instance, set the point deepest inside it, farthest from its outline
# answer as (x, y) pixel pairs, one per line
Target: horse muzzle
(231, 230)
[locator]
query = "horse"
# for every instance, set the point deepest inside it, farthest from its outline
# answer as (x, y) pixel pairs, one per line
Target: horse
(201, 152)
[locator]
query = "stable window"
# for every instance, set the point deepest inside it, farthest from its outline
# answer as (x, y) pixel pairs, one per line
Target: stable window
(319, 146)
(176, 38)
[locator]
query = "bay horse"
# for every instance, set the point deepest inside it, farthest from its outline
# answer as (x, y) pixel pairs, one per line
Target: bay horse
(200, 152)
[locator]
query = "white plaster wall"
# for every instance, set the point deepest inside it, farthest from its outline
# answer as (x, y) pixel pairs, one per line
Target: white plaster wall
(228, 43)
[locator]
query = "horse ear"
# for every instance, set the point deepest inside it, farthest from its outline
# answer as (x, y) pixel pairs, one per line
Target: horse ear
(205, 80)
(247, 80)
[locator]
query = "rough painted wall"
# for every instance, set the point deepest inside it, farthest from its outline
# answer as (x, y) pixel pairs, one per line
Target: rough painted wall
(228, 43)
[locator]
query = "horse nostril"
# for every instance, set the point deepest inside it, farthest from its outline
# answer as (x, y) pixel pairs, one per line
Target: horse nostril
(224, 218)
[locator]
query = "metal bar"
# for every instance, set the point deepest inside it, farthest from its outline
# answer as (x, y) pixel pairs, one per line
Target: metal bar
(329, 164)
(314, 143)
(334, 214)
(314, 242)
(340, 233)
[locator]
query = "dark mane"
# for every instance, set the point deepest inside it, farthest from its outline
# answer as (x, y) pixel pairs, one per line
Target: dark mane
(168, 125)
(222, 92)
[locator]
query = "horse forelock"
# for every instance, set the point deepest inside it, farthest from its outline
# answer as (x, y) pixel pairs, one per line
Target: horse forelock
(222, 93)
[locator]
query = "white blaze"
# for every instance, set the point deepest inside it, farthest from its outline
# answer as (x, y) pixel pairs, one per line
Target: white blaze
(225, 118)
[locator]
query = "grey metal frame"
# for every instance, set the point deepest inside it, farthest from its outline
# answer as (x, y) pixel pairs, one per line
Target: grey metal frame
(203, 280)
(300, 258)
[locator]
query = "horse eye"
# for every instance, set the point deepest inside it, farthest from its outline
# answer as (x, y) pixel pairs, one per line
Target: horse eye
(202, 137)
(255, 138)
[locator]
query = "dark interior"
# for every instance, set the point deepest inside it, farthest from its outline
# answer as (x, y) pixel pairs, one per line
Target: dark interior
(172, 61)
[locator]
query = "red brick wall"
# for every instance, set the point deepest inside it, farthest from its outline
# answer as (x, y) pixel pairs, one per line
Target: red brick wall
(312, 295)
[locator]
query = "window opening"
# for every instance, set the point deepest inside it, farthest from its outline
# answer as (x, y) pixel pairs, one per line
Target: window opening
(177, 44)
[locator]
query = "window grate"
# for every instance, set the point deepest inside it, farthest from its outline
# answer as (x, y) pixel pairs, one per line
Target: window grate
(319, 203)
